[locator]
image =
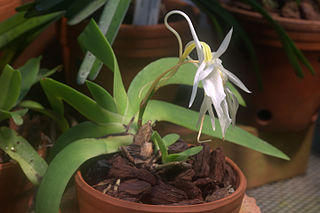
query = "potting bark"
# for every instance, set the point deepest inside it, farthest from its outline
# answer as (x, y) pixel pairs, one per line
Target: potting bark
(134, 176)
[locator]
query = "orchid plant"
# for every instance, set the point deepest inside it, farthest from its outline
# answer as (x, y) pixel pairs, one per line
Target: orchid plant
(14, 86)
(114, 119)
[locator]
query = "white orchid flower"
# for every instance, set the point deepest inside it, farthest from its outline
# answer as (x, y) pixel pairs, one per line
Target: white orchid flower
(214, 78)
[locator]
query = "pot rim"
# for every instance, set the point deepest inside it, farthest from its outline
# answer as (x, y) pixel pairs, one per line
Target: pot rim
(242, 184)
(287, 23)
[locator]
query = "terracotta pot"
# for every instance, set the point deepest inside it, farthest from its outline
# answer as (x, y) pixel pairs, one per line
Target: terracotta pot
(16, 191)
(286, 102)
(135, 46)
(91, 200)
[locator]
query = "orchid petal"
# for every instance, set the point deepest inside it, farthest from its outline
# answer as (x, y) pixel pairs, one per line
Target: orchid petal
(223, 116)
(195, 83)
(224, 45)
(234, 79)
(213, 87)
(233, 105)
(206, 72)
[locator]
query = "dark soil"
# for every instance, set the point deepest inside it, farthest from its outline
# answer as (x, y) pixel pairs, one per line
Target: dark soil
(307, 9)
(136, 174)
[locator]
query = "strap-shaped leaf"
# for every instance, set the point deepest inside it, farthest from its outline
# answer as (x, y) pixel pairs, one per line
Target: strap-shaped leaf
(170, 139)
(29, 72)
(101, 96)
(15, 115)
(188, 118)
(20, 150)
(60, 120)
(84, 130)
(182, 156)
(109, 22)
(156, 138)
(57, 93)
(10, 81)
(81, 10)
(27, 25)
(59, 172)
(144, 79)
(94, 41)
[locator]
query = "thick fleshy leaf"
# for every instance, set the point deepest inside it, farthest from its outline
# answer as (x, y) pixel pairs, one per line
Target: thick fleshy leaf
(28, 24)
(182, 156)
(109, 23)
(59, 172)
(57, 93)
(101, 96)
(33, 166)
(187, 118)
(15, 115)
(170, 139)
(94, 41)
(35, 106)
(10, 83)
(80, 10)
(156, 138)
(29, 72)
(84, 130)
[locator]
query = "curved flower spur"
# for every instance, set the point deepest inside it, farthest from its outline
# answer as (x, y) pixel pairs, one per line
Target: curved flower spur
(214, 78)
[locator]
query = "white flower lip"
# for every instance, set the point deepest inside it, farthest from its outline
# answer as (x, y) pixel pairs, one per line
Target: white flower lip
(213, 77)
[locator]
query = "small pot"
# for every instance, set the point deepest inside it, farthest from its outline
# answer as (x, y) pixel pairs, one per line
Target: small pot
(91, 200)
(286, 102)
(16, 191)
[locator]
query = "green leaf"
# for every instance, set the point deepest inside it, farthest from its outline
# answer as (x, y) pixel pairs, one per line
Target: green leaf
(60, 120)
(101, 96)
(15, 115)
(187, 118)
(94, 41)
(235, 91)
(109, 23)
(156, 138)
(182, 156)
(20, 150)
(170, 139)
(27, 25)
(57, 93)
(84, 130)
(80, 10)
(11, 22)
(10, 81)
(59, 172)
(47, 4)
(29, 72)
(144, 79)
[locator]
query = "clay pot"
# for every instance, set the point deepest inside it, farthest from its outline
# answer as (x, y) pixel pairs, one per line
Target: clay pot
(91, 200)
(16, 191)
(286, 102)
(135, 46)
